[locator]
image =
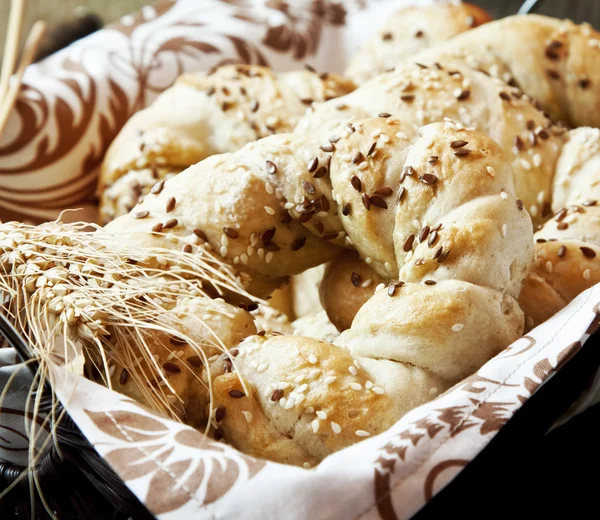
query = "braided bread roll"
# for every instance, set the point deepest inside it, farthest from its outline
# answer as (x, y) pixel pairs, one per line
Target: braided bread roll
(296, 399)
(410, 30)
(551, 60)
(567, 247)
(418, 94)
(201, 116)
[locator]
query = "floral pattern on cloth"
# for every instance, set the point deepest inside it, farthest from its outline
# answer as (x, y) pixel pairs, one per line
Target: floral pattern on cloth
(177, 473)
(74, 103)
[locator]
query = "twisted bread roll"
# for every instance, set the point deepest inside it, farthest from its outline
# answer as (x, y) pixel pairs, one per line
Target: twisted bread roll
(410, 30)
(201, 116)
(200, 320)
(551, 60)
(567, 246)
(296, 399)
(418, 94)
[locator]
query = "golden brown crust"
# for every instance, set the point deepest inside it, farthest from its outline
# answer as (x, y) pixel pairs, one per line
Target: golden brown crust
(348, 282)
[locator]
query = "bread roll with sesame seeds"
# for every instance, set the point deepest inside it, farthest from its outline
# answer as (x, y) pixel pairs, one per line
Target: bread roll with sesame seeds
(296, 399)
(201, 116)
(553, 61)
(410, 30)
(184, 379)
(417, 94)
(568, 245)
(307, 398)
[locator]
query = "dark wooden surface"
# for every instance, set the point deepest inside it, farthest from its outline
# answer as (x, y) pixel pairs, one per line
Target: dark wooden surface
(576, 10)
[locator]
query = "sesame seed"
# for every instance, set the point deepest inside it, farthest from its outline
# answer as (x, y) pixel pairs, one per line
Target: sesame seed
(363, 165)
(362, 433)
(378, 201)
(195, 361)
(315, 425)
(504, 195)
(329, 147)
(336, 427)
(309, 187)
(290, 403)
(400, 196)
(525, 164)
(504, 230)
(312, 359)
(247, 415)
(321, 172)
(588, 252)
(432, 238)
(172, 368)
(230, 232)
(428, 178)
(171, 204)
(366, 200)
(329, 379)
(377, 390)
(314, 372)
(269, 210)
(519, 144)
(352, 370)
(220, 414)
(141, 214)
(283, 402)
(457, 327)
(158, 187)
(586, 274)
(321, 415)
(298, 243)
(549, 266)
(442, 258)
